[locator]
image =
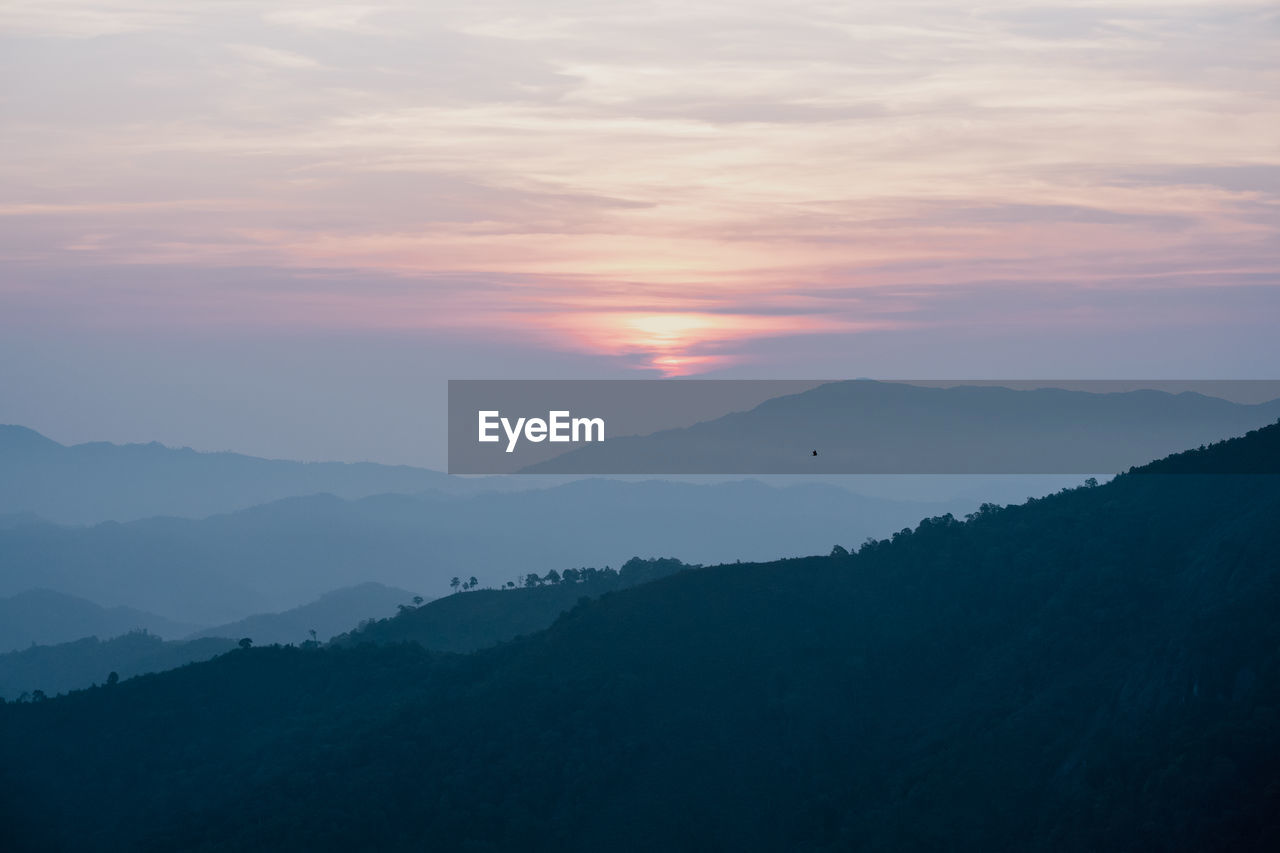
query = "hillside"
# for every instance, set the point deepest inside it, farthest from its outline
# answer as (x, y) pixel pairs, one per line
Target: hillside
(1096, 670)
(331, 613)
(485, 617)
(42, 616)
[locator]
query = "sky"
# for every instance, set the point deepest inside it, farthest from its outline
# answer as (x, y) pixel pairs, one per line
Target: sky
(279, 227)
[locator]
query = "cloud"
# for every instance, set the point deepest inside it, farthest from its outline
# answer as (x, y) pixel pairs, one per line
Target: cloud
(1257, 178)
(548, 166)
(273, 57)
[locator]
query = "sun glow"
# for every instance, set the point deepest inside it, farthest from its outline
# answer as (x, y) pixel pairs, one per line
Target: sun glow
(678, 343)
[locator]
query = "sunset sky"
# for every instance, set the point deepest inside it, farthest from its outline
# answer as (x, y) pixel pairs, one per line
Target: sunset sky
(222, 223)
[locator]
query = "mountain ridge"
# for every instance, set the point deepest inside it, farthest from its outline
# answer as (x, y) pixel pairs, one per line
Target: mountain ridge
(100, 481)
(43, 616)
(1066, 674)
(332, 613)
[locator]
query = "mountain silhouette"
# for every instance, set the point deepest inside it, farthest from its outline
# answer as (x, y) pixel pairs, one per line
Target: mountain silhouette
(125, 641)
(1095, 670)
(81, 663)
(485, 617)
(332, 613)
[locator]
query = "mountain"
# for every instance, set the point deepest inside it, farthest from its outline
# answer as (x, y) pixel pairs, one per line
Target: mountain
(1096, 670)
(870, 427)
(58, 668)
(266, 559)
(465, 622)
(485, 617)
(42, 616)
(332, 613)
(98, 481)
(19, 519)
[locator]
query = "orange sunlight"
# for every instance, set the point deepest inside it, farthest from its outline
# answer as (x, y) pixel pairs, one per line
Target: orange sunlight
(673, 343)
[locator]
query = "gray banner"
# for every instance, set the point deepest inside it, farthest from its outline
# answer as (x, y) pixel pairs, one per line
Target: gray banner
(717, 426)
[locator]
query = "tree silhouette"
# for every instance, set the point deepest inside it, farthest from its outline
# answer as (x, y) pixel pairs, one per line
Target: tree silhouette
(245, 642)
(454, 584)
(113, 679)
(473, 582)
(417, 601)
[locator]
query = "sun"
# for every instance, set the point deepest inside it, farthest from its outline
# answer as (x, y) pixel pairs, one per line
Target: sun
(677, 343)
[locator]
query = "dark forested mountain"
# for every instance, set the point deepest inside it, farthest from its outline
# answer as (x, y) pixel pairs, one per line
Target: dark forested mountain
(268, 558)
(58, 668)
(869, 427)
(332, 613)
(479, 618)
(1095, 670)
(99, 481)
(41, 616)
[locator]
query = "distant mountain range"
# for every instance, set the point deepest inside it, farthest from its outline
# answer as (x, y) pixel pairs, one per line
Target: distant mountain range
(871, 427)
(267, 558)
(42, 617)
(98, 481)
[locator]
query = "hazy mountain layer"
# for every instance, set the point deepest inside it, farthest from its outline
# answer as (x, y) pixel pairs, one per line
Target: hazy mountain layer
(332, 613)
(41, 616)
(56, 666)
(99, 481)
(76, 665)
(268, 558)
